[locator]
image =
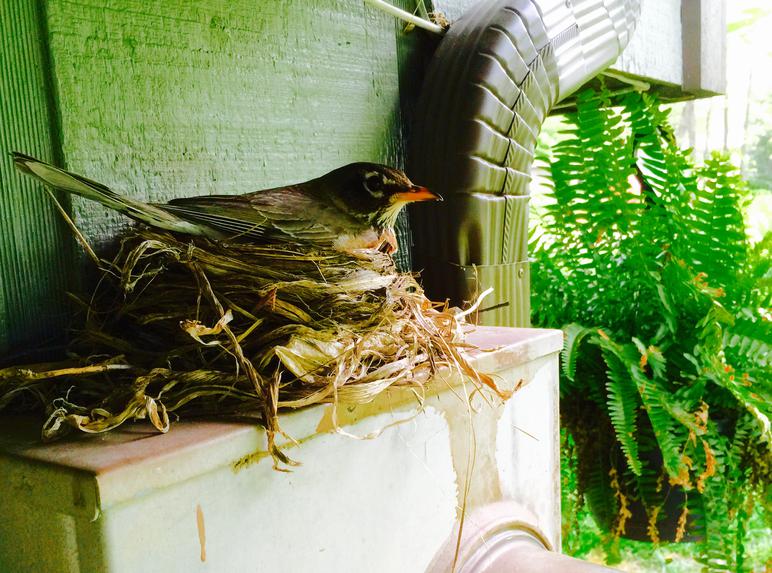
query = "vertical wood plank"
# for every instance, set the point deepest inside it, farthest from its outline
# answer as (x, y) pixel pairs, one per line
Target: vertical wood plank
(35, 248)
(704, 46)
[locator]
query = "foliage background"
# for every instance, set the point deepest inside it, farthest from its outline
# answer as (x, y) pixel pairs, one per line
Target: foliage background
(740, 124)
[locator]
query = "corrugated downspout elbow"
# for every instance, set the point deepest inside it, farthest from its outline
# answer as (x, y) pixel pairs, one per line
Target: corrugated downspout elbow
(493, 80)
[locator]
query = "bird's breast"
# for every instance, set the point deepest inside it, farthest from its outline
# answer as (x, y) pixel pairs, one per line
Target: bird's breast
(367, 239)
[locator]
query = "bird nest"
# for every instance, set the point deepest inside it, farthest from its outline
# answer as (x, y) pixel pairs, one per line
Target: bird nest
(180, 325)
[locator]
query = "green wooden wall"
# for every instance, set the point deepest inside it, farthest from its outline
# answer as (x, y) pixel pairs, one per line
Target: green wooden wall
(161, 98)
(35, 250)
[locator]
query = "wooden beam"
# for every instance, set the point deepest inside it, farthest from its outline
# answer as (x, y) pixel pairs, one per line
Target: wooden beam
(703, 35)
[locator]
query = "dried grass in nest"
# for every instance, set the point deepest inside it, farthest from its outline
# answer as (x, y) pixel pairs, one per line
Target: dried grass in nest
(191, 326)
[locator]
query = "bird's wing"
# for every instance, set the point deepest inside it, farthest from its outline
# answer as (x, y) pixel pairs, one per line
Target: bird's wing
(77, 184)
(274, 214)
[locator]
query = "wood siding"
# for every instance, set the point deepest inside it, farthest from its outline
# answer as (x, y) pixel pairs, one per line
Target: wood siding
(163, 99)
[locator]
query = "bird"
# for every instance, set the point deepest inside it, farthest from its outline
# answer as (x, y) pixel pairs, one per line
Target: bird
(350, 208)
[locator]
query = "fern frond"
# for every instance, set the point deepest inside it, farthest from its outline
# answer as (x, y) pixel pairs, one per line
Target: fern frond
(749, 342)
(622, 400)
(679, 365)
(573, 334)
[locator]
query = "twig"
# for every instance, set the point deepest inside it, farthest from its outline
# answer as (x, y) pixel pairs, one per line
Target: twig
(406, 16)
(78, 235)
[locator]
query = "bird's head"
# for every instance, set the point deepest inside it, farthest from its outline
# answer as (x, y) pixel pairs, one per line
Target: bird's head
(376, 193)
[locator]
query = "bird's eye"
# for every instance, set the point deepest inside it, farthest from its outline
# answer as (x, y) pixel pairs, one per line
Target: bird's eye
(373, 183)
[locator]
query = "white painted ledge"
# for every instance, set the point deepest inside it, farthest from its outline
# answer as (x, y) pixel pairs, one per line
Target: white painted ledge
(135, 500)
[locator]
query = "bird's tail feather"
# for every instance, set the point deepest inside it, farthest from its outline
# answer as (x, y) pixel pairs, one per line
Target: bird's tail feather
(84, 187)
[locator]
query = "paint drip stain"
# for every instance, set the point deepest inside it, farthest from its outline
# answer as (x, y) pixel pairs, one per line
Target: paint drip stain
(201, 531)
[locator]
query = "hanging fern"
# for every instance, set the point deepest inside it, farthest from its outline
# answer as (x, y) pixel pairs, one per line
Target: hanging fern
(644, 256)
(623, 403)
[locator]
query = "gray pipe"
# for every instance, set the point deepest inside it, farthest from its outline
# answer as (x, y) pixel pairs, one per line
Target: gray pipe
(504, 537)
(493, 80)
(523, 554)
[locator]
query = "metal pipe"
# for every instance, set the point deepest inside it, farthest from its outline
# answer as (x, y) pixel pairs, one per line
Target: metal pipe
(406, 16)
(504, 537)
(499, 71)
(522, 554)
(639, 85)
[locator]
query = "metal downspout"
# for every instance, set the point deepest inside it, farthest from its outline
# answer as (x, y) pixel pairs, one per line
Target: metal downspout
(496, 75)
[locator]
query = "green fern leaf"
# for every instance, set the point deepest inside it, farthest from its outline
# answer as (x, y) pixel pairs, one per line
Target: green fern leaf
(623, 402)
(573, 334)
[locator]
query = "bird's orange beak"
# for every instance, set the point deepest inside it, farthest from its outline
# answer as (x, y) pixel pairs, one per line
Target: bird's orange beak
(417, 193)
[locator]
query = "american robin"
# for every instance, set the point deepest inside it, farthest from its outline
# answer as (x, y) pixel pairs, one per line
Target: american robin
(352, 207)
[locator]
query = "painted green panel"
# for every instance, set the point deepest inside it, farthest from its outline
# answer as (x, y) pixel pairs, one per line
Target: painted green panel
(35, 249)
(162, 99)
